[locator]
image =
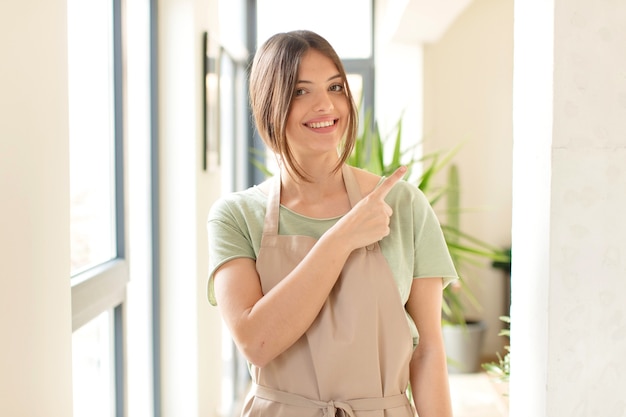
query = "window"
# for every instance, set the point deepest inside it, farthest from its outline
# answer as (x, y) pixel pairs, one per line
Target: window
(98, 266)
(234, 149)
(93, 367)
(91, 94)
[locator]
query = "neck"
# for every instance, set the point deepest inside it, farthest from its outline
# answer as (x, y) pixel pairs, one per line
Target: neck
(324, 197)
(316, 177)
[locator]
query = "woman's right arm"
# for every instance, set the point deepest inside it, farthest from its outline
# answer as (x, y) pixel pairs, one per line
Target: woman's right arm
(265, 325)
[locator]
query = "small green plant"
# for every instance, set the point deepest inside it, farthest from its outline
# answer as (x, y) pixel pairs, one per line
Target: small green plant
(501, 369)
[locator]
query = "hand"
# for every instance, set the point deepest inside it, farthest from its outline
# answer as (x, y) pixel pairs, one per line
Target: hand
(368, 221)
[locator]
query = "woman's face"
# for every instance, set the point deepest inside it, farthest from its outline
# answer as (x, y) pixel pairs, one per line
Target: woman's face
(319, 110)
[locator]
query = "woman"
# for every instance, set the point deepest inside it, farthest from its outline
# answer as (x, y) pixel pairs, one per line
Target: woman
(325, 273)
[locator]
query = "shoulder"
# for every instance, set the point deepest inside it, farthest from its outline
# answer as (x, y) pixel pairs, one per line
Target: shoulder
(238, 204)
(405, 192)
(409, 202)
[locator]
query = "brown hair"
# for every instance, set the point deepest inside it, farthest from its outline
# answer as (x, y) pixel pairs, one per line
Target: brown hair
(273, 79)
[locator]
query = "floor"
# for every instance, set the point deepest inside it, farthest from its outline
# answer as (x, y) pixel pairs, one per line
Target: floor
(478, 395)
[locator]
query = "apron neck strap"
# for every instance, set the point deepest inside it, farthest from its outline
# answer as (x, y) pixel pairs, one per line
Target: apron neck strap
(352, 186)
(273, 201)
(270, 227)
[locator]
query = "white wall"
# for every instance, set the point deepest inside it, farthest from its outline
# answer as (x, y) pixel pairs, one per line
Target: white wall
(35, 317)
(569, 331)
(190, 339)
(468, 100)
(399, 83)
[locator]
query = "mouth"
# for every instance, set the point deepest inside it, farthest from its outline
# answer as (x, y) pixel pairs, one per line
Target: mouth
(321, 125)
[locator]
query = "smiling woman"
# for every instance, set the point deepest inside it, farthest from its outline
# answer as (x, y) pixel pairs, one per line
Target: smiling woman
(311, 86)
(326, 267)
(318, 115)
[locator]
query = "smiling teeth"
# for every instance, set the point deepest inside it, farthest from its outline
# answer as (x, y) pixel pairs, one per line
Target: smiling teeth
(322, 124)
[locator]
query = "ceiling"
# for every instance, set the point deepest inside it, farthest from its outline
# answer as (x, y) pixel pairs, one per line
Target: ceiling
(424, 21)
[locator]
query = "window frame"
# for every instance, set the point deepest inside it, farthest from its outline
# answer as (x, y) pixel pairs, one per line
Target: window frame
(102, 287)
(365, 68)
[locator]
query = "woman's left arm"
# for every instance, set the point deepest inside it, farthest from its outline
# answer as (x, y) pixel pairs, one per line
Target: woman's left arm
(428, 373)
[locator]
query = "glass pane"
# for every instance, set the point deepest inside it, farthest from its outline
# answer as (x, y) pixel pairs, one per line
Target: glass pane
(355, 81)
(92, 362)
(91, 123)
(347, 25)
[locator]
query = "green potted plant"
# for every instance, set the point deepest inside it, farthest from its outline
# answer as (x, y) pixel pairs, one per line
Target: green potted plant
(462, 336)
(500, 370)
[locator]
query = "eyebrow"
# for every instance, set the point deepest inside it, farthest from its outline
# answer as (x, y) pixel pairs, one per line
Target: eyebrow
(311, 82)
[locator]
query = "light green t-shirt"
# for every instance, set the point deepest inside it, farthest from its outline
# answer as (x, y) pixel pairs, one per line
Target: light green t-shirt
(414, 248)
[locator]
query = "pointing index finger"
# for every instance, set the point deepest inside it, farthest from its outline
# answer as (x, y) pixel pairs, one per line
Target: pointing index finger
(388, 183)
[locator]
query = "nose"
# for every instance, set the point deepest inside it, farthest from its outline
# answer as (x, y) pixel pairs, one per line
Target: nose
(324, 102)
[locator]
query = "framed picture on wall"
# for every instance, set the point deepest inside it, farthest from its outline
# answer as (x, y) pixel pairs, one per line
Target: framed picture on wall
(211, 98)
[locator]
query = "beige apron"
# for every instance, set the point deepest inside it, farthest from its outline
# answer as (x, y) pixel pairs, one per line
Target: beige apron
(354, 359)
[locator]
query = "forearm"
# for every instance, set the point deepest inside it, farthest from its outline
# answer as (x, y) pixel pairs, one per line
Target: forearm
(284, 314)
(429, 382)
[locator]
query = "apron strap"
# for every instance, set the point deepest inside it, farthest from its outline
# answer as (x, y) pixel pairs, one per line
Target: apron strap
(270, 227)
(330, 408)
(352, 186)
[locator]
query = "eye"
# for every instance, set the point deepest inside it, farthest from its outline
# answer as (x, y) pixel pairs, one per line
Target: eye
(337, 88)
(299, 92)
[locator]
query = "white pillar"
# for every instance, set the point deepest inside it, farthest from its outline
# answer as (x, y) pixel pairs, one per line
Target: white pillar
(569, 193)
(190, 328)
(35, 316)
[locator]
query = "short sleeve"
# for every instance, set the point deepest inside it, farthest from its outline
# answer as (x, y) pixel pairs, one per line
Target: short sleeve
(229, 238)
(415, 247)
(432, 257)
